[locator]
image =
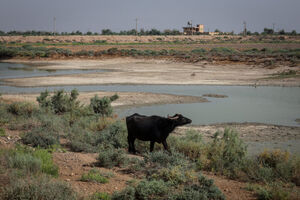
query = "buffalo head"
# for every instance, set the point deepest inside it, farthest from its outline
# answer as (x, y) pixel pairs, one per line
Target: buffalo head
(180, 120)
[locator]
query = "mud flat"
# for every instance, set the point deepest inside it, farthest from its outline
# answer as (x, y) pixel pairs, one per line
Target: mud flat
(126, 99)
(143, 71)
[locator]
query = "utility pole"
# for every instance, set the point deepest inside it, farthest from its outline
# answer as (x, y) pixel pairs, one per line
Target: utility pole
(136, 25)
(245, 28)
(192, 27)
(54, 25)
(273, 27)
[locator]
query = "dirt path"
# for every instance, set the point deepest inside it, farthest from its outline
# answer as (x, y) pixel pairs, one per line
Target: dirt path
(142, 71)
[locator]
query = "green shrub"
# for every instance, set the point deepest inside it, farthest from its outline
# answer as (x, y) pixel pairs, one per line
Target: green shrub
(191, 145)
(60, 102)
(174, 175)
(48, 166)
(22, 109)
(110, 157)
(93, 176)
(223, 50)
(36, 161)
(2, 132)
(101, 196)
(127, 194)
(225, 155)
(199, 51)
(165, 159)
(203, 189)
(154, 189)
(102, 106)
(40, 188)
(115, 134)
(24, 161)
(40, 138)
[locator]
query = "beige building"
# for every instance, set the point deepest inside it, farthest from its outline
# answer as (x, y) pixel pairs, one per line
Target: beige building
(190, 30)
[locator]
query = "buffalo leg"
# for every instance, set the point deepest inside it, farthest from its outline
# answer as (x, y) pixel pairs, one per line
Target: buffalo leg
(131, 147)
(151, 146)
(165, 145)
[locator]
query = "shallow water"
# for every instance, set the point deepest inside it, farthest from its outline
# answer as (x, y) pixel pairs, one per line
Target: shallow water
(17, 70)
(271, 105)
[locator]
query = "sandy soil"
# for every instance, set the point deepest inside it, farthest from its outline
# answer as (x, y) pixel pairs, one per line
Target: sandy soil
(125, 98)
(142, 71)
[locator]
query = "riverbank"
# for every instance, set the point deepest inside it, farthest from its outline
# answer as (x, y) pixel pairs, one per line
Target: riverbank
(126, 99)
(257, 136)
(150, 71)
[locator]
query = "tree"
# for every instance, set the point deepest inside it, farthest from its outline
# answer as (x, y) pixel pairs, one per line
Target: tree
(293, 32)
(106, 32)
(268, 31)
(281, 32)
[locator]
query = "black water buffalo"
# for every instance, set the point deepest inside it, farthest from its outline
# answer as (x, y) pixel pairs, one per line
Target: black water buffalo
(152, 128)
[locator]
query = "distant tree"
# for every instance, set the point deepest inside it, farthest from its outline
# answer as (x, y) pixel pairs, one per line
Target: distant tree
(293, 32)
(248, 33)
(106, 32)
(78, 33)
(218, 31)
(89, 33)
(142, 32)
(154, 31)
(268, 31)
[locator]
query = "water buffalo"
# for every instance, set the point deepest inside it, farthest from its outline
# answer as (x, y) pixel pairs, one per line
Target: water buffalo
(152, 128)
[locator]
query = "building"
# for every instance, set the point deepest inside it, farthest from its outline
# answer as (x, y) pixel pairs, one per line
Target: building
(190, 30)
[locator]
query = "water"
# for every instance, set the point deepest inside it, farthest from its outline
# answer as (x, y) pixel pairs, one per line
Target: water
(16, 70)
(271, 105)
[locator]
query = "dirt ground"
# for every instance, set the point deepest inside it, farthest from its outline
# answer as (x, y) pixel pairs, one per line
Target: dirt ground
(143, 71)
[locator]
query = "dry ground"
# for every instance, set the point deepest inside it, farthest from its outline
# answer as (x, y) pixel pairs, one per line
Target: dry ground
(142, 71)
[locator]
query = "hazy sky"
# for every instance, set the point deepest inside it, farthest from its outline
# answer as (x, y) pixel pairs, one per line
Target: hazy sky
(95, 15)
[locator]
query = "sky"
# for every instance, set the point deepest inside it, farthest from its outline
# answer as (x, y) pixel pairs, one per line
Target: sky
(95, 15)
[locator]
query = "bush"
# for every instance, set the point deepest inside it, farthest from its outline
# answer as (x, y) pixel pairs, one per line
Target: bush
(203, 189)
(24, 161)
(2, 132)
(40, 188)
(22, 109)
(36, 161)
(115, 135)
(93, 176)
(155, 189)
(101, 196)
(225, 155)
(165, 159)
(48, 166)
(40, 138)
(110, 157)
(60, 102)
(102, 106)
(191, 145)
